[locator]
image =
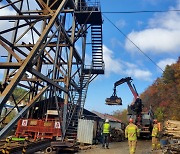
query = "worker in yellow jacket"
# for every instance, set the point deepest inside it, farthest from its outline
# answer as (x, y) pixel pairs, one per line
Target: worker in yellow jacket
(132, 132)
(155, 135)
(106, 134)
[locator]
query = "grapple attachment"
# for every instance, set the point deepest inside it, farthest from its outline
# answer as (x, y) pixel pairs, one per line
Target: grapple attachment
(113, 100)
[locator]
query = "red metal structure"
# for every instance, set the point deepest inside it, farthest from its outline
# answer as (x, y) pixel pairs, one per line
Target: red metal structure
(46, 129)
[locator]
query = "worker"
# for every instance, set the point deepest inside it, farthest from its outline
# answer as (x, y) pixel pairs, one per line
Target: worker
(155, 136)
(132, 132)
(106, 134)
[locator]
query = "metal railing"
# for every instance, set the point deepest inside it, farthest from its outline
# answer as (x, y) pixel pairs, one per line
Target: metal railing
(94, 67)
(88, 6)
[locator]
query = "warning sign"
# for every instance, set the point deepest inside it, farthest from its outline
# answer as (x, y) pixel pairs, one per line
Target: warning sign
(57, 124)
(24, 122)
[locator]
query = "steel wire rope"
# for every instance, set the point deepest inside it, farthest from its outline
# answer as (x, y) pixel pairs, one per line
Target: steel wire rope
(133, 43)
(143, 11)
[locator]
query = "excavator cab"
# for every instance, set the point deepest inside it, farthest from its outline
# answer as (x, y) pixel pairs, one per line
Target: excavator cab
(114, 100)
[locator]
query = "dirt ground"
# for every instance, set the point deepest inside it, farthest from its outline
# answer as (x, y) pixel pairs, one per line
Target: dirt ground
(143, 147)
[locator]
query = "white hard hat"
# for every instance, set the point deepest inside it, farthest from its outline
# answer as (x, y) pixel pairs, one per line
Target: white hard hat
(107, 120)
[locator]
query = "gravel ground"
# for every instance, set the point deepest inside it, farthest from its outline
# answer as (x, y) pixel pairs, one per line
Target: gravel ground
(143, 147)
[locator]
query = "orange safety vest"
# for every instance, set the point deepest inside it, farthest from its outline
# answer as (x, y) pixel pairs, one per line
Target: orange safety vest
(159, 126)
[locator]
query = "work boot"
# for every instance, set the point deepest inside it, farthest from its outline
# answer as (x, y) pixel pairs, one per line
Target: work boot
(107, 147)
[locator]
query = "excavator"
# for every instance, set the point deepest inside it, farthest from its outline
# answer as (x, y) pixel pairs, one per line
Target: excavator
(144, 120)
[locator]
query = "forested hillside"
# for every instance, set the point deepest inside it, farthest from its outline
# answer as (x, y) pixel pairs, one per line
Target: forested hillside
(164, 94)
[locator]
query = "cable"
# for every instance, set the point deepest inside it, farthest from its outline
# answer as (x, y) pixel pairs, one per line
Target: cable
(151, 11)
(133, 43)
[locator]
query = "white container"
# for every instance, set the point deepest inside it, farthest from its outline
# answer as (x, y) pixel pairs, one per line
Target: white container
(86, 129)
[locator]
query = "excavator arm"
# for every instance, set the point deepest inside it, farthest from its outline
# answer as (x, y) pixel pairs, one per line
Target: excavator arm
(128, 80)
(115, 100)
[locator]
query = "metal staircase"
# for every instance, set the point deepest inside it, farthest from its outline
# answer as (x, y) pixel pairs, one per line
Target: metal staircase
(86, 14)
(76, 109)
(97, 47)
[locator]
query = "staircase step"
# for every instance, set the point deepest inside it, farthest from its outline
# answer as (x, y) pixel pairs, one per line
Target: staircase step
(97, 58)
(71, 138)
(96, 46)
(97, 50)
(97, 54)
(99, 63)
(71, 130)
(93, 27)
(71, 133)
(100, 37)
(97, 42)
(96, 31)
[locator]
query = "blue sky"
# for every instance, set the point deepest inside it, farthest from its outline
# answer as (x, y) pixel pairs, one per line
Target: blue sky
(156, 34)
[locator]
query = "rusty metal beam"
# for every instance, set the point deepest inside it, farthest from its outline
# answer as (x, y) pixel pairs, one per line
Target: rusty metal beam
(11, 45)
(10, 4)
(44, 78)
(10, 65)
(48, 45)
(19, 12)
(41, 11)
(10, 51)
(19, 26)
(75, 53)
(23, 17)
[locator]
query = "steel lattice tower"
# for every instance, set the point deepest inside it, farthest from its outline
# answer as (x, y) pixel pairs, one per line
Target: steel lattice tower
(43, 51)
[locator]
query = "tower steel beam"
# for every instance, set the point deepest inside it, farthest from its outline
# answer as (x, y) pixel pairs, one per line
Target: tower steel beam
(22, 17)
(49, 81)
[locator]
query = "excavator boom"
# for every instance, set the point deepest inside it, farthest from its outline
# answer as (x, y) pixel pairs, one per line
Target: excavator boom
(114, 100)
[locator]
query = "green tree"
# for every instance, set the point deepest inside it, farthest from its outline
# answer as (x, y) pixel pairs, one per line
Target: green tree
(164, 94)
(121, 115)
(159, 114)
(168, 75)
(18, 93)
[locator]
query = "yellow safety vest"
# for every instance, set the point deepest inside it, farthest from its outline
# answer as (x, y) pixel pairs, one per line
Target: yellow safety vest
(155, 131)
(131, 132)
(106, 128)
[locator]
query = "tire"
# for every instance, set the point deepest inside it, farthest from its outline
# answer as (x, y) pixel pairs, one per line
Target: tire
(48, 150)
